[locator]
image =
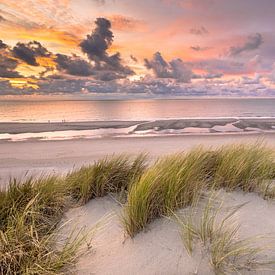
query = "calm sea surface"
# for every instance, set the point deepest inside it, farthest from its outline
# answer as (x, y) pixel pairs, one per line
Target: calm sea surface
(42, 111)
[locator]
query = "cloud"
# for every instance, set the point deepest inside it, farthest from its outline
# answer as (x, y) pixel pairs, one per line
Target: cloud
(175, 69)
(272, 74)
(219, 66)
(73, 65)
(133, 58)
(7, 64)
(255, 80)
(199, 49)
(207, 76)
(199, 31)
(28, 52)
(3, 45)
(253, 42)
(126, 23)
(2, 18)
(96, 45)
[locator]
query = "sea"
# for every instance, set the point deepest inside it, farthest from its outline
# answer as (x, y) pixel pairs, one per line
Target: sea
(127, 110)
(109, 110)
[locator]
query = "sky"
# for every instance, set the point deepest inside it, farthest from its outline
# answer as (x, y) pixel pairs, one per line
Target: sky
(145, 48)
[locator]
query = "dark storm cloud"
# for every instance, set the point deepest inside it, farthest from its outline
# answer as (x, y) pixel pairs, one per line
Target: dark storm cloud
(253, 42)
(175, 69)
(7, 64)
(3, 45)
(28, 52)
(76, 66)
(73, 65)
(159, 66)
(96, 45)
(108, 75)
(199, 31)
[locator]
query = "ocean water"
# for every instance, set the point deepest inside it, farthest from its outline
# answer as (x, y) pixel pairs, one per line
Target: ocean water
(44, 111)
(132, 110)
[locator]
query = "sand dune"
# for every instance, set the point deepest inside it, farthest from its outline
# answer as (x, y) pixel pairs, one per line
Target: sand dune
(160, 249)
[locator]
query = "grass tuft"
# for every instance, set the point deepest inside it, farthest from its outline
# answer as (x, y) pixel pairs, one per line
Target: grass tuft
(31, 210)
(172, 182)
(30, 213)
(245, 167)
(218, 235)
(110, 175)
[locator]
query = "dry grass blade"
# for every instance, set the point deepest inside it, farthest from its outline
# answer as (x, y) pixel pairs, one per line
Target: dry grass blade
(218, 235)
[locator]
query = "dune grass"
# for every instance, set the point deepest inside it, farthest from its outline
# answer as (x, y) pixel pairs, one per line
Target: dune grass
(246, 167)
(176, 181)
(110, 175)
(217, 232)
(172, 182)
(28, 244)
(31, 210)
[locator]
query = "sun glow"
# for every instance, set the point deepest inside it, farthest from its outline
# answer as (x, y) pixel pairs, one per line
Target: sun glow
(24, 83)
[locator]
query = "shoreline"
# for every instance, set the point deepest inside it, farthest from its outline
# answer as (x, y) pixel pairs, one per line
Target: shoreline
(264, 123)
(14, 132)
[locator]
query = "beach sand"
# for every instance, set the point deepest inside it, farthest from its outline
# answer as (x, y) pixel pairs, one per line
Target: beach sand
(33, 157)
(160, 250)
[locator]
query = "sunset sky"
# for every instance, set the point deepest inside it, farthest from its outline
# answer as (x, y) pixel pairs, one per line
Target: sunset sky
(137, 48)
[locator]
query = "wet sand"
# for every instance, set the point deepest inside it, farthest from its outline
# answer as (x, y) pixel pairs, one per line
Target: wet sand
(175, 124)
(18, 127)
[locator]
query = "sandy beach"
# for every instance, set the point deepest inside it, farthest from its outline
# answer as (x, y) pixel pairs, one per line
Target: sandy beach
(18, 159)
(159, 249)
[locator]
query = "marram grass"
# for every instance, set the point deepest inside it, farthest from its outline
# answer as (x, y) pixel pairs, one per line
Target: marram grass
(110, 175)
(176, 181)
(216, 230)
(245, 167)
(31, 210)
(172, 182)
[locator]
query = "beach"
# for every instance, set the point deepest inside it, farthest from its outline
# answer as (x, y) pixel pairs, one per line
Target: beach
(30, 149)
(18, 159)
(245, 124)
(159, 248)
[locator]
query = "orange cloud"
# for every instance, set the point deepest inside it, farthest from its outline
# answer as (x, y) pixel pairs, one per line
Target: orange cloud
(24, 83)
(41, 34)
